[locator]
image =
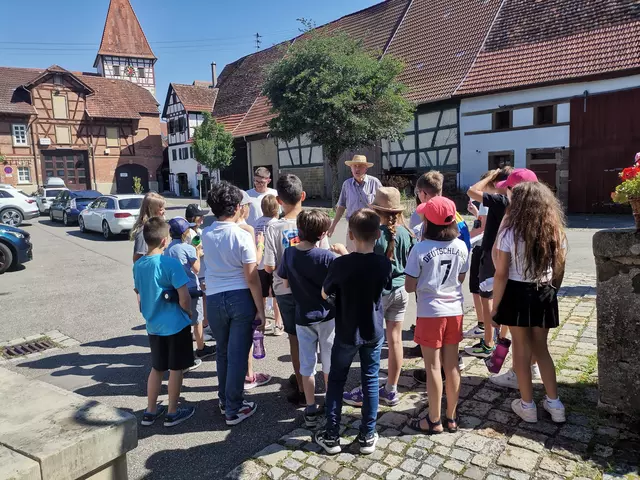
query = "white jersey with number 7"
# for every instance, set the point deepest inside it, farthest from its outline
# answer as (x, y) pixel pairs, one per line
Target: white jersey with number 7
(437, 266)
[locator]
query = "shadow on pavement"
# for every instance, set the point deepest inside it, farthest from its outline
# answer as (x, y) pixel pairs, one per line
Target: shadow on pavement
(97, 236)
(598, 222)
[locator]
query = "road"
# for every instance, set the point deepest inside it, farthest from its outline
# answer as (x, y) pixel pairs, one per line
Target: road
(81, 285)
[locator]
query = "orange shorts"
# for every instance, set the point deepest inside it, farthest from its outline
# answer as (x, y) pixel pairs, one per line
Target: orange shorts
(434, 332)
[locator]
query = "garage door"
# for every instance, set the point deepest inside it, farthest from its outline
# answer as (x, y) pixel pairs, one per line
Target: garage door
(71, 166)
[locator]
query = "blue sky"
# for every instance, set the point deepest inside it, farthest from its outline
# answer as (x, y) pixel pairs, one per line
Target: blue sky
(185, 35)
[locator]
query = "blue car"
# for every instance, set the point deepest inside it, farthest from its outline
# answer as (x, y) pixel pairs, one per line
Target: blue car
(69, 203)
(15, 247)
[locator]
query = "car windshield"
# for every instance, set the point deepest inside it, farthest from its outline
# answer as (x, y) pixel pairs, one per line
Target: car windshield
(130, 203)
(52, 193)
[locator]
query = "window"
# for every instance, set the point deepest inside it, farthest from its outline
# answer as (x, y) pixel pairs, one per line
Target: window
(24, 175)
(19, 135)
(181, 124)
(116, 70)
(5, 194)
(113, 137)
(57, 79)
(500, 159)
(141, 73)
(59, 106)
(544, 115)
(502, 120)
(174, 154)
(63, 137)
(184, 153)
(191, 152)
(130, 204)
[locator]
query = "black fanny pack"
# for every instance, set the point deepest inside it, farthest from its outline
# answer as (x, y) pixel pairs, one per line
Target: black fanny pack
(172, 296)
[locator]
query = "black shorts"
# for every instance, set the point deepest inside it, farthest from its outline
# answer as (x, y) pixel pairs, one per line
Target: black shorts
(474, 273)
(266, 283)
(172, 352)
(487, 270)
(528, 305)
(287, 306)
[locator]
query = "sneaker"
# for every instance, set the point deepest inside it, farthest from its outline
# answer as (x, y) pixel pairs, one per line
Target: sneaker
(330, 443)
(182, 414)
(557, 413)
(196, 363)
(293, 381)
(475, 332)
(368, 443)
(353, 398)
(388, 398)
(278, 331)
(150, 418)
(247, 409)
(223, 409)
(208, 334)
(311, 417)
(529, 415)
(420, 376)
(206, 352)
(297, 398)
(460, 363)
(535, 372)
(480, 350)
(507, 379)
(258, 380)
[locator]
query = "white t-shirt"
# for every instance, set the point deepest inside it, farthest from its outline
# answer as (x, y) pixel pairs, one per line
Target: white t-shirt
(415, 220)
(227, 248)
(261, 226)
(437, 265)
(507, 244)
(255, 208)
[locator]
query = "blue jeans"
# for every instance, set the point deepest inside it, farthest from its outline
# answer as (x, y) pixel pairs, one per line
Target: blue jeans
(231, 315)
(341, 359)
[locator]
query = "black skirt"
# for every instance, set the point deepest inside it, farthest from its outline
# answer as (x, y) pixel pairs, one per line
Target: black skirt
(528, 305)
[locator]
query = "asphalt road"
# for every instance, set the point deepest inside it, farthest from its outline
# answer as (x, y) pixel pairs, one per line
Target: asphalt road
(81, 285)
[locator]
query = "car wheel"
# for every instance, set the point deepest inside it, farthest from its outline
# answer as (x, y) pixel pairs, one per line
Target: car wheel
(12, 217)
(65, 219)
(106, 231)
(6, 258)
(81, 224)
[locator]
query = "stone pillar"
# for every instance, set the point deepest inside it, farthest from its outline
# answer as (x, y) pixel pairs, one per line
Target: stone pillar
(617, 255)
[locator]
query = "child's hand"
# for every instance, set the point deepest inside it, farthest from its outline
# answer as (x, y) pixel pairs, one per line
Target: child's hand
(473, 210)
(339, 249)
(199, 251)
(260, 238)
(263, 322)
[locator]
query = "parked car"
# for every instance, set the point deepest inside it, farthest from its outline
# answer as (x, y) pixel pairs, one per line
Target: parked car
(45, 195)
(111, 214)
(15, 247)
(69, 203)
(15, 206)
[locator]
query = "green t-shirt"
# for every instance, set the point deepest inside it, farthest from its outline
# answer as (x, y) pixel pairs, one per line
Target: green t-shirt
(404, 242)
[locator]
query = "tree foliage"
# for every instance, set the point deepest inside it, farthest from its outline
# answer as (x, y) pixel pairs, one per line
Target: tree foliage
(212, 145)
(344, 97)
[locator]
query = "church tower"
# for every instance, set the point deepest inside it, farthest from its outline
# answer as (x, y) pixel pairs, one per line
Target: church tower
(124, 51)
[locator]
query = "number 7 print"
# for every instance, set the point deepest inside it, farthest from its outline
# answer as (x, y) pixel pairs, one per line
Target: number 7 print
(447, 272)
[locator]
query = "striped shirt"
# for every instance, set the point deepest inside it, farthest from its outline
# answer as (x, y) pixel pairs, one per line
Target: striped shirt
(355, 196)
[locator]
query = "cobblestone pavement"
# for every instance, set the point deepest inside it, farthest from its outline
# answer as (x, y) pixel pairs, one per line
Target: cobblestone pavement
(492, 443)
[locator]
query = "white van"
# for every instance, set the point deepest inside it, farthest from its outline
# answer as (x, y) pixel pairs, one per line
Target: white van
(48, 193)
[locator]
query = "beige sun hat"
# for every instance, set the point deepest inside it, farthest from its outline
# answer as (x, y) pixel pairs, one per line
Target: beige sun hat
(358, 160)
(387, 200)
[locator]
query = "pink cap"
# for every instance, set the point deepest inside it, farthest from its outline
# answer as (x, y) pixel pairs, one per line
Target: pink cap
(518, 175)
(438, 210)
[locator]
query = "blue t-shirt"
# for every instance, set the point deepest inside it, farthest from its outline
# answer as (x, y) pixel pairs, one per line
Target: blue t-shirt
(306, 270)
(186, 255)
(153, 274)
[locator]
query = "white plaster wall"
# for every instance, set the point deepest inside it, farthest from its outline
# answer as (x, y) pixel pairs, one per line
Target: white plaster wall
(475, 148)
(263, 152)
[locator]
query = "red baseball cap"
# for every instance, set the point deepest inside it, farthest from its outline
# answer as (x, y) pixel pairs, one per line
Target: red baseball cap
(518, 175)
(439, 210)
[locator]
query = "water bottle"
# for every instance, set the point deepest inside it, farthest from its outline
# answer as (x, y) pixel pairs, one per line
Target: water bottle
(258, 341)
(495, 361)
(196, 241)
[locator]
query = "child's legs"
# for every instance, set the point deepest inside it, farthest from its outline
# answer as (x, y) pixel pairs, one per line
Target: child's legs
(477, 304)
(288, 310)
(197, 317)
(395, 306)
(175, 384)
(522, 352)
(341, 358)
(159, 346)
(308, 344)
(326, 338)
(545, 362)
(452, 374)
(487, 305)
(180, 357)
(219, 322)
(154, 384)
(369, 371)
(277, 318)
(434, 381)
(250, 363)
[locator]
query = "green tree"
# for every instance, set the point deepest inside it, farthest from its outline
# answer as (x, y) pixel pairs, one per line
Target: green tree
(344, 97)
(212, 145)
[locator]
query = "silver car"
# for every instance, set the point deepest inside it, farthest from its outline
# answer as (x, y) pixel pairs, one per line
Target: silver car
(45, 196)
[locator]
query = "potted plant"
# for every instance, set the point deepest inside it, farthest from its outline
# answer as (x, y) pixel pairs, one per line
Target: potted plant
(629, 190)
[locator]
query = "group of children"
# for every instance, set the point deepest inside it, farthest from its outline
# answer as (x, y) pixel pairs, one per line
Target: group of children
(337, 301)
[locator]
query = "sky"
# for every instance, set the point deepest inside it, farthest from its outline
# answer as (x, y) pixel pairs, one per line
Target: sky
(185, 35)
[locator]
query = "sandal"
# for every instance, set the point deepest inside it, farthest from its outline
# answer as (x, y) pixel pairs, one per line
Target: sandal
(450, 421)
(414, 424)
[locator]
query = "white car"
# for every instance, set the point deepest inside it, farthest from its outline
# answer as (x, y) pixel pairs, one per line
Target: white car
(110, 214)
(46, 195)
(15, 206)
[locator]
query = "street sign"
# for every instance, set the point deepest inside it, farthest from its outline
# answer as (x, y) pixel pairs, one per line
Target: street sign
(199, 168)
(8, 171)
(199, 176)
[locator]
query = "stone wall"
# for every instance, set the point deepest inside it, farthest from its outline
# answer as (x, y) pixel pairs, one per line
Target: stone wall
(312, 179)
(617, 254)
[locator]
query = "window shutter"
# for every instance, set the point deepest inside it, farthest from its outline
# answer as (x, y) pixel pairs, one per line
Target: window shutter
(113, 137)
(63, 135)
(59, 107)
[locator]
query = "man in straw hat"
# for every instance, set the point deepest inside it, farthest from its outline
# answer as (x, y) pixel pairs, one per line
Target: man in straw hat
(357, 192)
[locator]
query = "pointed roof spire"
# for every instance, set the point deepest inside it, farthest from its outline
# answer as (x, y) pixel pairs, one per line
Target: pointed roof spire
(123, 35)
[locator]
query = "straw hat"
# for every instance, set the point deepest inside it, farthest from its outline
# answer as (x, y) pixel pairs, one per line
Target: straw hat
(358, 160)
(387, 200)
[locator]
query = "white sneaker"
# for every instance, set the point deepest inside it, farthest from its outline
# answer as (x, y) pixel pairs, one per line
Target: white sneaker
(507, 379)
(535, 372)
(196, 363)
(557, 414)
(474, 332)
(529, 415)
(208, 334)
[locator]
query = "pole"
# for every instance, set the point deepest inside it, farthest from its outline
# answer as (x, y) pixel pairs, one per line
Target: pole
(200, 180)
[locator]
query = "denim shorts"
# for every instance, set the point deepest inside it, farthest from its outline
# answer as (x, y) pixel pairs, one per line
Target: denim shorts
(197, 313)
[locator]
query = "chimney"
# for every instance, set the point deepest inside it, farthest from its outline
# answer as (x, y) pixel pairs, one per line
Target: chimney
(214, 75)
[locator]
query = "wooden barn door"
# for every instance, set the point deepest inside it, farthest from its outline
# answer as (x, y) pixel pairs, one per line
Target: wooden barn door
(604, 137)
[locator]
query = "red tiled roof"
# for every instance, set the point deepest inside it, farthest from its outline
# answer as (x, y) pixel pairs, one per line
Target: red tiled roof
(122, 34)
(230, 122)
(555, 40)
(438, 41)
(195, 98)
(12, 100)
(255, 121)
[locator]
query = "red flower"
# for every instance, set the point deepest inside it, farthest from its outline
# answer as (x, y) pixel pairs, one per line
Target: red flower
(630, 173)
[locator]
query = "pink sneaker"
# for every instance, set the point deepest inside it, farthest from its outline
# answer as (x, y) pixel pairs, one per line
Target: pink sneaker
(257, 380)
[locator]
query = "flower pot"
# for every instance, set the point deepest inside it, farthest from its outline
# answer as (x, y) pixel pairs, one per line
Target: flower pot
(635, 207)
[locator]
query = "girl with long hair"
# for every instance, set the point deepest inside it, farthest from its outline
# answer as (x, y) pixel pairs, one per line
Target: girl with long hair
(529, 256)
(153, 205)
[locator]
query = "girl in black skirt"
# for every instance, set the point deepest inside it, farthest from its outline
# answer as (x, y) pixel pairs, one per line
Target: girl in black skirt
(529, 257)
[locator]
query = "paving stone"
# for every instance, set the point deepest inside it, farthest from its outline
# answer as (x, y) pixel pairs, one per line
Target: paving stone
(377, 455)
(345, 458)
(605, 431)
(472, 407)
(416, 453)
(557, 465)
(575, 432)
(444, 476)
(487, 395)
(383, 442)
(465, 390)
(362, 463)
(291, 464)
(395, 474)
(312, 447)
(602, 451)
(474, 473)
(315, 461)
(389, 432)
(467, 422)
(410, 465)
(518, 475)
(272, 454)
(364, 476)
(397, 446)
(392, 419)
(529, 440)
(446, 438)
(434, 460)
(481, 460)
(330, 467)
(310, 473)
(377, 469)
(518, 459)
(461, 455)
(275, 473)
(505, 418)
(541, 426)
(471, 380)
(471, 441)
(578, 419)
(347, 474)
(392, 460)
(454, 465)
(494, 477)
(426, 471)
(248, 470)
(441, 450)
(569, 448)
(298, 455)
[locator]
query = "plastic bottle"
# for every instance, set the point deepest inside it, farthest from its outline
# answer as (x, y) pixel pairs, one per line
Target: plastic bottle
(495, 361)
(258, 341)
(196, 241)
